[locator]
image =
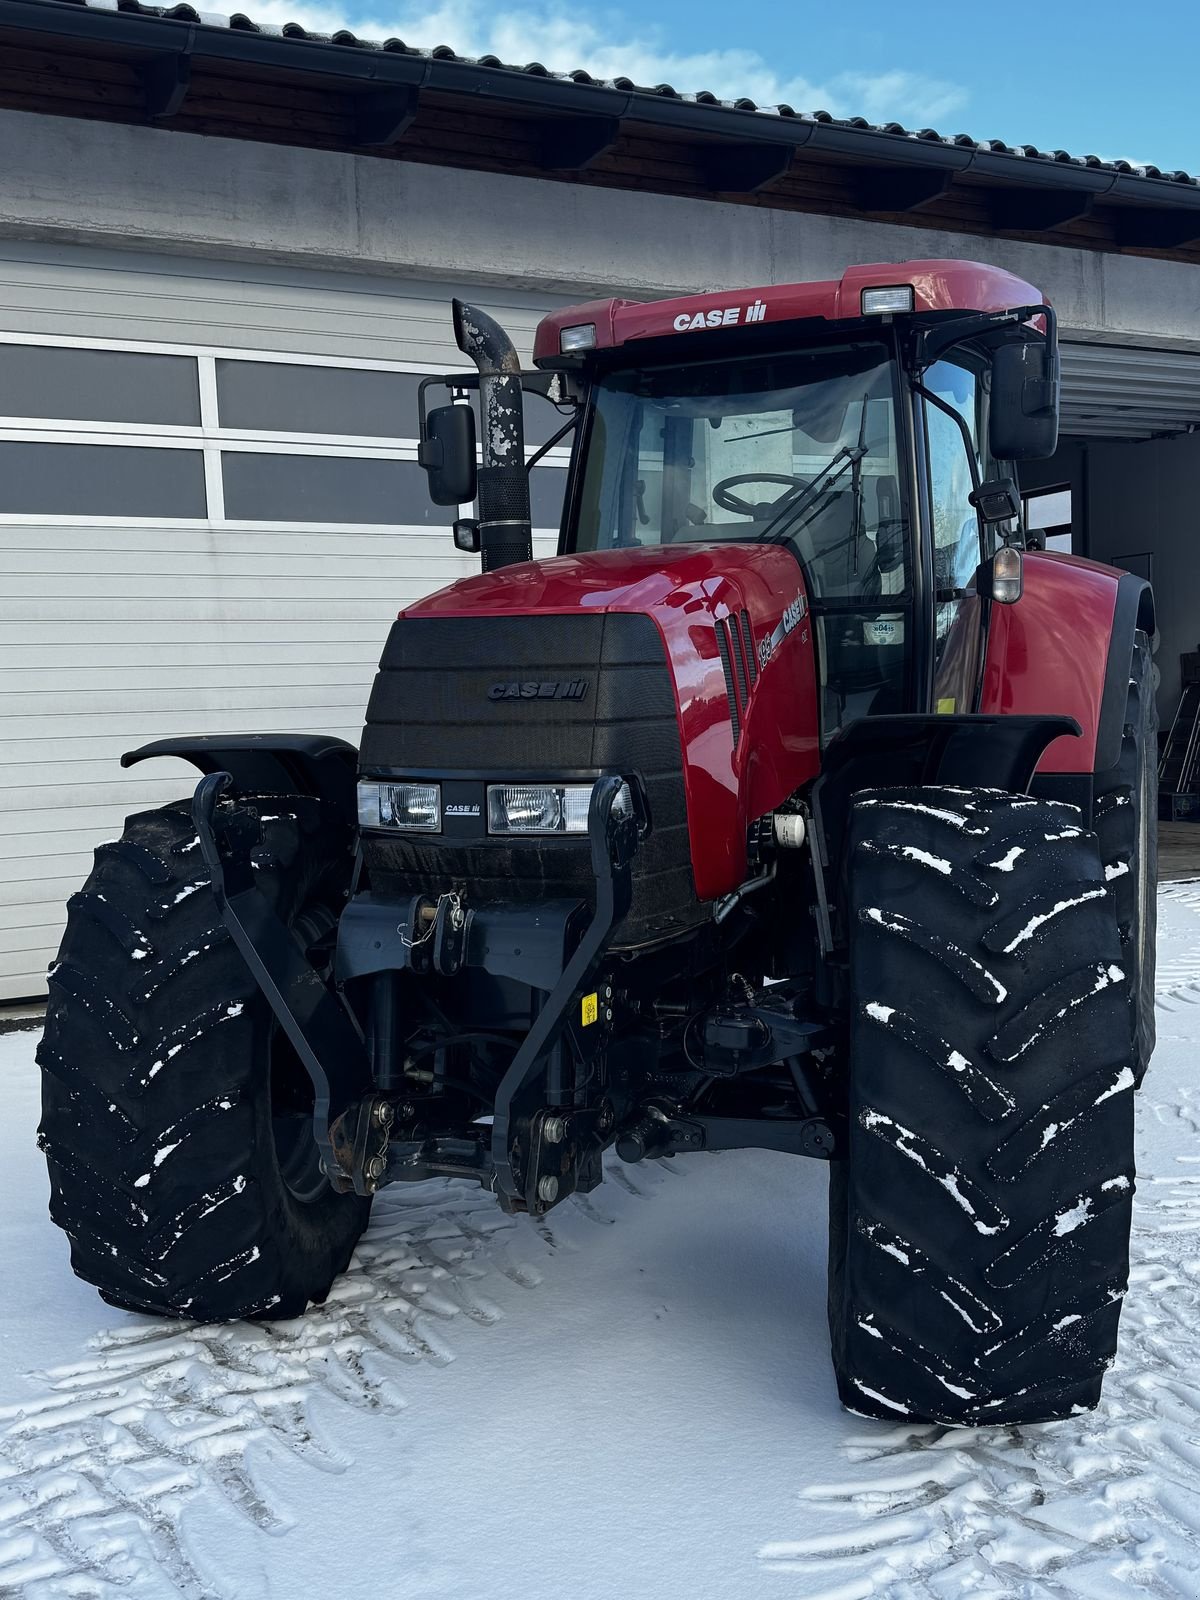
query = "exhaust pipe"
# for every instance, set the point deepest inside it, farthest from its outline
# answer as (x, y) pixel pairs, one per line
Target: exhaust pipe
(505, 534)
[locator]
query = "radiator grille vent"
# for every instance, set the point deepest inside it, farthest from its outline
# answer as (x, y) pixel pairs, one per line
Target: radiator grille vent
(735, 643)
(725, 649)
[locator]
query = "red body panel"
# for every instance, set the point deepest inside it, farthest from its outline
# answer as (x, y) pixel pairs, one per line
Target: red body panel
(686, 590)
(1047, 654)
(937, 286)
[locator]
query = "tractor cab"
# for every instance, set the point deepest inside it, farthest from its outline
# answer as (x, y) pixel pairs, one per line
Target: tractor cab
(868, 426)
(858, 447)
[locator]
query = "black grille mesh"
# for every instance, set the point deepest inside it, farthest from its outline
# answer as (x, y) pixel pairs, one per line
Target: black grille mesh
(432, 710)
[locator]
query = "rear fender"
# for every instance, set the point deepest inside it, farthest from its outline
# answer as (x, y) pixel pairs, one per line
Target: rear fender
(269, 763)
(1065, 649)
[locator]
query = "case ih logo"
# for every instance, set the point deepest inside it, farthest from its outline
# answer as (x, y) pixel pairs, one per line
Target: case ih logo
(569, 689)
(730, 317)
(791, 618)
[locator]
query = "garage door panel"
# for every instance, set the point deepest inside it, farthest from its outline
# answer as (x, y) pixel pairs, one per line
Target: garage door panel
(22, 711)
(114, 633)
(131, 790)
(280, 588)
(20, 941)
(188, 654)
(114, 295)
(17, 894)
(26, 570)
(226, 677)
(100, 746)
(297, 610)
(19, 981)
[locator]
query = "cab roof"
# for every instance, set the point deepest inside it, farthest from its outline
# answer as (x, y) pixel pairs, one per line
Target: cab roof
(936, 285)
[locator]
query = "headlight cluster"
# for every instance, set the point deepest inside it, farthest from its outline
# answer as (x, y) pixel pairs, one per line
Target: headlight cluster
(511, 807)
(414, 807)
(545, 807)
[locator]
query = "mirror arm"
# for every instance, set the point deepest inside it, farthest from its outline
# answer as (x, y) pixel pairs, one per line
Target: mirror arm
(936, 400)
(932, 343)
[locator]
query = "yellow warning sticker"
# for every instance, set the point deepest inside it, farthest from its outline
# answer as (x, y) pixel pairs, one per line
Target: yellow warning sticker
(946, 706)
(591, 1008)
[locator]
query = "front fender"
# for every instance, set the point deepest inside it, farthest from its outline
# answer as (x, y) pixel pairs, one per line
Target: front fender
(269, 763)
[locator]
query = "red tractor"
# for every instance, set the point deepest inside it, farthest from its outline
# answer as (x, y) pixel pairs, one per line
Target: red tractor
(799, 802)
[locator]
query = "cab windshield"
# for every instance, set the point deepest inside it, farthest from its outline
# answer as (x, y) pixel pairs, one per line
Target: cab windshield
(797, 450)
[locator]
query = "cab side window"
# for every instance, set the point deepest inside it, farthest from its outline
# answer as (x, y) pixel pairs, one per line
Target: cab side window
(957, 531)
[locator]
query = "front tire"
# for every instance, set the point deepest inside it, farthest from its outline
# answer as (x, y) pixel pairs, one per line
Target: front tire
(979, 1227)
(174, 1116)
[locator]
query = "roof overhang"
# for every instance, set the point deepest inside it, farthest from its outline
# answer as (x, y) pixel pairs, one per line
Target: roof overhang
(176, 69)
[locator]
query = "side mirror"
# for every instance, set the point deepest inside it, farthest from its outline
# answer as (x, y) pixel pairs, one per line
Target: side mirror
(447, 453)
(1023, 422)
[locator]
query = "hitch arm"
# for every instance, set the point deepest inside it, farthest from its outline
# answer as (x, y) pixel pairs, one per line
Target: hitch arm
(613, 842)
(317, 1026)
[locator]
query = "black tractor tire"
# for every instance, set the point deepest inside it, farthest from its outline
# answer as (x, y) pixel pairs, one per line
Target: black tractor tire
(979, 1225)
(1126, 822)
(175, 1117)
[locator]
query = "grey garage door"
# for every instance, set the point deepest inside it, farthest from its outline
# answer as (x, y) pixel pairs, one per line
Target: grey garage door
(210, 511)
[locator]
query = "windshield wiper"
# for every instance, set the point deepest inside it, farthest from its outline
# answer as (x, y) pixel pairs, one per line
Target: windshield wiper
(847, 456)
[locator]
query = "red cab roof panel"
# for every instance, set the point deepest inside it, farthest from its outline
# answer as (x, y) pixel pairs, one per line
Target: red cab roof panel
(936, 285)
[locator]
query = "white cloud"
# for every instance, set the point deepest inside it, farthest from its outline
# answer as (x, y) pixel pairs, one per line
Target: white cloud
(618, 47)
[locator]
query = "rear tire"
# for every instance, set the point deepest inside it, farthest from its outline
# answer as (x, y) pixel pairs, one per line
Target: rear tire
(979, 1227)
(1126, 822)
(175, 1120)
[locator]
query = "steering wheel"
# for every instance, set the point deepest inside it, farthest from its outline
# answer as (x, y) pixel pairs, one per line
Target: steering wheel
(757, 509)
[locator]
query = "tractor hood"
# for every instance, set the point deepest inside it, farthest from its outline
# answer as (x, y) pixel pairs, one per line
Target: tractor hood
(736, 632)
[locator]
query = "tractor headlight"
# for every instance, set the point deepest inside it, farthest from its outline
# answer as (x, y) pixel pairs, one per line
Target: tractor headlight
(545, 807)
(411, 807)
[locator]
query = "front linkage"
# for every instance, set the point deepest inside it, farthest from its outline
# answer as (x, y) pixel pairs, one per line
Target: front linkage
(546, 1138)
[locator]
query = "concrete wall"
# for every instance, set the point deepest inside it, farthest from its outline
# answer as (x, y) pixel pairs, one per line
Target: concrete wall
(144, 188)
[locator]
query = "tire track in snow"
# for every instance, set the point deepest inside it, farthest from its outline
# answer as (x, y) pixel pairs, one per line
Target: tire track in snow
(1177, 977)
(1107, 1503)
(97, 1470)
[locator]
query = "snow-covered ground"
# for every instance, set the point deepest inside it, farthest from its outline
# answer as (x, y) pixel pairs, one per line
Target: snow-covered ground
(630, 1402)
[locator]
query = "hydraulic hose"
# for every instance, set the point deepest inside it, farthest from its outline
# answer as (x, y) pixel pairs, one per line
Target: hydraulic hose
(505, 534)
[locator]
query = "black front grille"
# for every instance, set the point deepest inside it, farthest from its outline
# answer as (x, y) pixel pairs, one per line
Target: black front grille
(475, 698)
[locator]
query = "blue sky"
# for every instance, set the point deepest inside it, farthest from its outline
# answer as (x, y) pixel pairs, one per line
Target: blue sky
(1100, 77)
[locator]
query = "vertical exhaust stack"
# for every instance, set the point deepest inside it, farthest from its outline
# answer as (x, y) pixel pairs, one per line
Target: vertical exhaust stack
(505, 533)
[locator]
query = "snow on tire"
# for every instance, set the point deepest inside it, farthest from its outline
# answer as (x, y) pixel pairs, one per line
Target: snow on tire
(174, 1117)
(979, 1227)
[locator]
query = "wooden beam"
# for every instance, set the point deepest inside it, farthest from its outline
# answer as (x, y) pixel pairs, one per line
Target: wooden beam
(383, 116)
(165, 81)
(899, 188)
(744, 168)
(1037, 210)
(568, 144)
(1146, 229)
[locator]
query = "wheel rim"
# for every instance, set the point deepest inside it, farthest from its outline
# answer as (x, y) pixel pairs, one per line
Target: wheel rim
(292, 1094)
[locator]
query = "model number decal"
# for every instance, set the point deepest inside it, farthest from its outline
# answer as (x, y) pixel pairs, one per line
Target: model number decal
(793, 615)
(727, 317)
